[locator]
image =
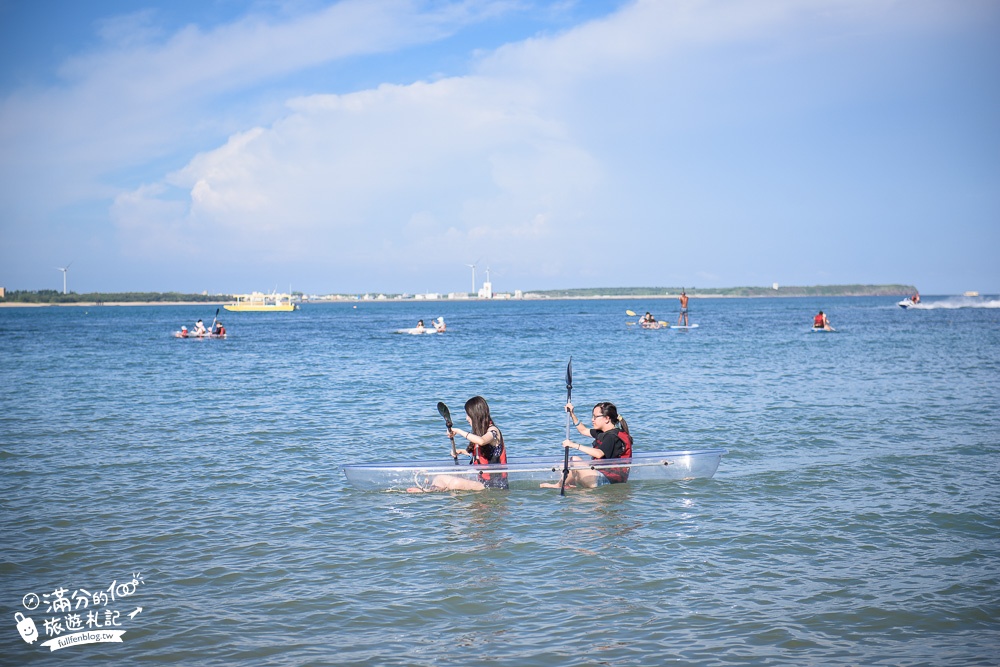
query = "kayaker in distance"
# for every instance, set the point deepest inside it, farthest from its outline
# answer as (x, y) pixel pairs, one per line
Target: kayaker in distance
(647, 320)
(199, 328)
(684, 309)
(485, 446)
(420, 327)
(184, 332)
(439, 325)
(611, 441)
(821, 321)
(219, 330)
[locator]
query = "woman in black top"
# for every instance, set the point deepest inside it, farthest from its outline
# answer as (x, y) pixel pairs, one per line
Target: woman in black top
(611, 441)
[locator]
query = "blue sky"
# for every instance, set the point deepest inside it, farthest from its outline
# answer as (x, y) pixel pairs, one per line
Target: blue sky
(384, 145)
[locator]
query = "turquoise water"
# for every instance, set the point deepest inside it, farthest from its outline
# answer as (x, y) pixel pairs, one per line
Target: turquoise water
(855, 520)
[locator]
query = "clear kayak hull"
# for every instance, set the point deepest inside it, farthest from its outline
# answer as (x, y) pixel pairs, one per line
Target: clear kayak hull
(529, 472)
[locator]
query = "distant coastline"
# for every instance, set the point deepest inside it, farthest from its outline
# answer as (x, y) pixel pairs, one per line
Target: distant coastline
(53, 298)
(727, 292)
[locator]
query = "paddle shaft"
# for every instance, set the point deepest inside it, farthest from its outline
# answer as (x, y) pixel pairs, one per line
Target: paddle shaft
(569, 397)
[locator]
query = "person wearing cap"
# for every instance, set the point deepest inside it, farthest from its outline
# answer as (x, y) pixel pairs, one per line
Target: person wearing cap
(183, 333)
(439, 325)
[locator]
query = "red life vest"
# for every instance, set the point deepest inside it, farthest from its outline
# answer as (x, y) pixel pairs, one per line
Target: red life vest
(818, 321)
(619, 475)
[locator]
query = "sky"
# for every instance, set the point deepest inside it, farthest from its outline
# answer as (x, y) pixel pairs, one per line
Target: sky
(359, 146)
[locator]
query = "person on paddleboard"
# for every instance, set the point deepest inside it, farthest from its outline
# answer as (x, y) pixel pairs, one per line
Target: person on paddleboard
(821, 321)
(439, 325)
(485, 446)
(220, 330)
(199, 328)
(183, 333)
(684, 309)
(611, 441)
(420, 327)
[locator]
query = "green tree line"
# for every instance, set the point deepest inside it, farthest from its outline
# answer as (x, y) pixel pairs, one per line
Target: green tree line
(814, 290)
(56, 297)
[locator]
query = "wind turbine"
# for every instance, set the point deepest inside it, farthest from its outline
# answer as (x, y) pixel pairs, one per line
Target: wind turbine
(64, 269)
(473, 267)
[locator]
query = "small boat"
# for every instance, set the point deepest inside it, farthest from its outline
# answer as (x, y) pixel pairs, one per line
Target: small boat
(418, 331)
(906, 303)
(262, 303)
(971, 293)
(191, 334)
(530, 471)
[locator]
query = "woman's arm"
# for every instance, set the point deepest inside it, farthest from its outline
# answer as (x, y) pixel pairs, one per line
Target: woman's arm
(473, 438)
(590, 451)
(577, 422)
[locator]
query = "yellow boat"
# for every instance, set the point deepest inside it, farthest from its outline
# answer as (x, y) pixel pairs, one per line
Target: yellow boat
(262, 303)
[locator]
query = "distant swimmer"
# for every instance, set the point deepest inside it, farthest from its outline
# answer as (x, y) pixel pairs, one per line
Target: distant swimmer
(821, 321)
(683, 317)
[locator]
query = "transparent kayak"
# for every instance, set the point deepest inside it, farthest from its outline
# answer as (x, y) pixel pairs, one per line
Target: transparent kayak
(530, 471)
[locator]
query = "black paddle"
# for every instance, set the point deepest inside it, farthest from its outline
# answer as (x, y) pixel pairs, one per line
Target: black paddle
(569, 395)
(443, 410)
(214, 319)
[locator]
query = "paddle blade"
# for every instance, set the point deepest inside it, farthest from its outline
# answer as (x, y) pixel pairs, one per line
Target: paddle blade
(569, 379)
(443, 411)
(630, 313)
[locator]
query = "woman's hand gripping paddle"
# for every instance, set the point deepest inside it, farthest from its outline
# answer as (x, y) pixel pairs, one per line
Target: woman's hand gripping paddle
(569, 395)
(443, 410)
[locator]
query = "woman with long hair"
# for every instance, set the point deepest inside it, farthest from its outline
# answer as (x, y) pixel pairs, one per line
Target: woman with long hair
(485, 446)
(611, 441)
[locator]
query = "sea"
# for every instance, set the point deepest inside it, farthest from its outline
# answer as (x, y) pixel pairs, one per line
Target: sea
(179, 502)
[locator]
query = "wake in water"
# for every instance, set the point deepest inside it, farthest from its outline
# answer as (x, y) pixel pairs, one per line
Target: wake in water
(957, 302)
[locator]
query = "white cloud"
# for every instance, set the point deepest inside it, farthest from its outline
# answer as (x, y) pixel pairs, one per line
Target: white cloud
(464, 160)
